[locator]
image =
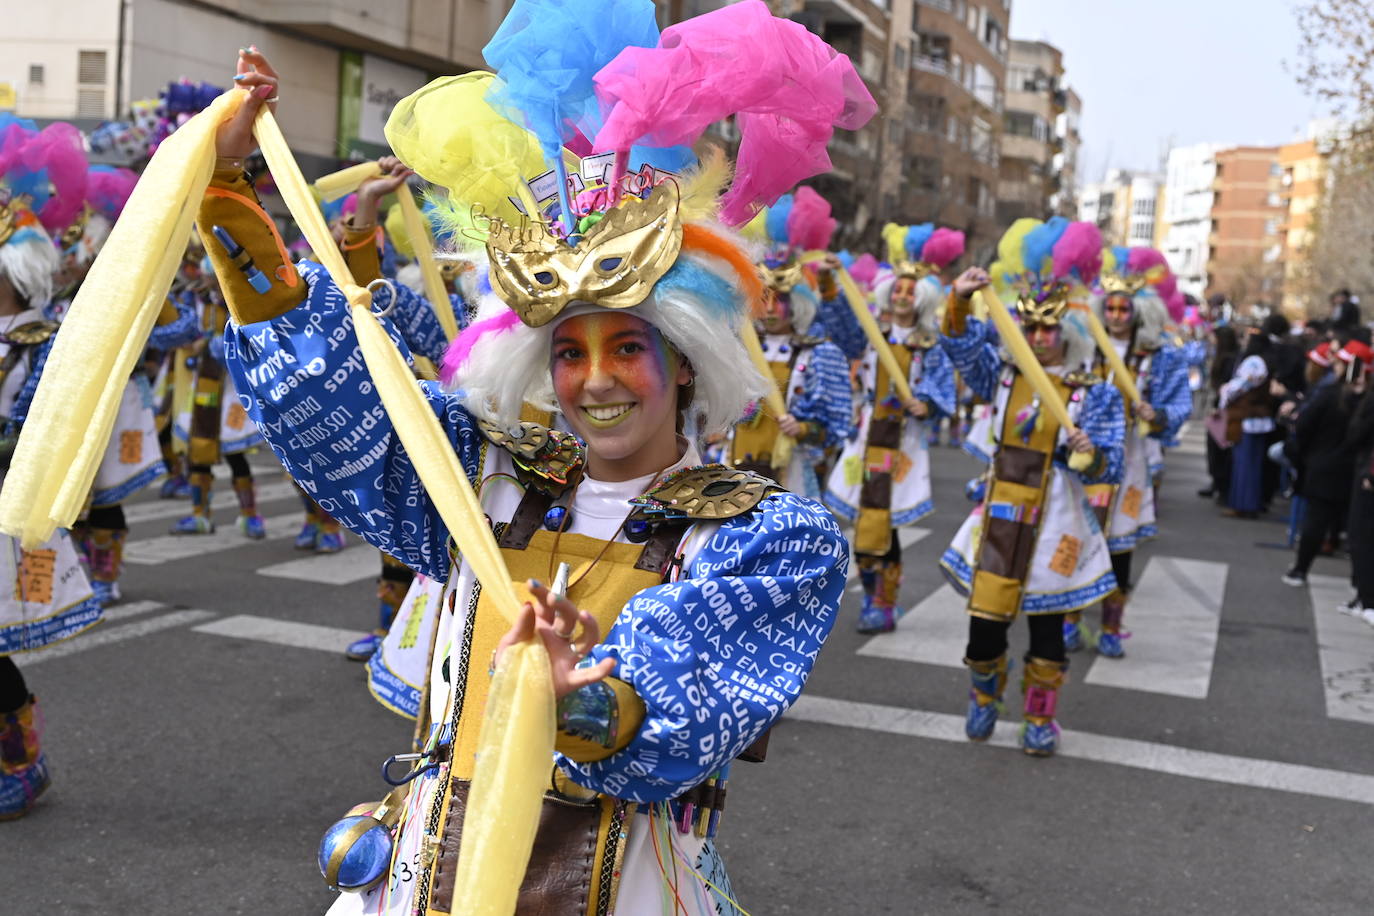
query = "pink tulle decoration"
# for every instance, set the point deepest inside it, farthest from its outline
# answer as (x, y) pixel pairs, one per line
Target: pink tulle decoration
(108, 190)
(1176, 306)
(809, 224)
(1142, 260)
(1167, 287)
(59, 150)
(864, 270)
(1078, 252)
(943, 247)
(458, 352)
(788, 89)
(349, 205)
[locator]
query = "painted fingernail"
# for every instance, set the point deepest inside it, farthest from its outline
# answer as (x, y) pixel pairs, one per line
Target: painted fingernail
(253, 48)
(535, 583)
(264, 92)
(241, 76)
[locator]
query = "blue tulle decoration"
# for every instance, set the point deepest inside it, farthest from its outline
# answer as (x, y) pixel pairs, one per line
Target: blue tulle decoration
(776, 221)
(916, 238)
(846, 258)
(547, 52)
(714, 292)
(1122, 255)
(332, 209)
(1038, 245)
(664, 158)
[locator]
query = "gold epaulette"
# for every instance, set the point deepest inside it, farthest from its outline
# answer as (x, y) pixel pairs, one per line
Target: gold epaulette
(1082, 378)
(801, 341)
(30, 333)
(921, 339)
(546, 458)
(710, 492)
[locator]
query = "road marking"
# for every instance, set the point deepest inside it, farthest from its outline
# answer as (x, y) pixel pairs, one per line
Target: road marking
(157, 550)
(130, 609)
(1173, 616)
(1127, 752)
(224, 498)
(282, 632)
(102, 636)
(351, 565)
(934, 632)
(1345, 647)
(905, 537)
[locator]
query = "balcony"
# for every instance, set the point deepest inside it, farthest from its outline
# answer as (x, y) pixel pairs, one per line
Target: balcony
(928, 64)
(944, 6)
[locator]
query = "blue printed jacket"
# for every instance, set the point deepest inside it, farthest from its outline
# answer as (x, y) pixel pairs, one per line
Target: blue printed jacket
(716, 657)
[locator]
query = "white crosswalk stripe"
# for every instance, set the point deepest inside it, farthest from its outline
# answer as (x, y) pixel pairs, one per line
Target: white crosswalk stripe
(158, 550)
(281, 632)
(105, 635)
(151, 511)
(1173, 616)
(1345, 648)
(353, 564)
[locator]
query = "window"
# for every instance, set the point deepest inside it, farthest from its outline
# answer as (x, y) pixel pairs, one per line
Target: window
(925, 172)
(899, 57)
(1272, 199)
(930, 113)
(90, 68)
(90, 103)
(35, 74)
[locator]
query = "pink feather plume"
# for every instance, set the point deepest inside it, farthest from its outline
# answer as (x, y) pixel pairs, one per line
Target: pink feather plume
(809, 223)
(458, 352)
(864, 270)
(1079, 253)
(58, 148)
(1176, 305)
(108, 190)
(1142, 260)
(943, 247)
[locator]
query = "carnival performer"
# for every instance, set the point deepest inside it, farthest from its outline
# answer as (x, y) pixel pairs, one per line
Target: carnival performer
(46, 598)
(881, 480)
(1033, 546)
(714, 588)
(1134, 317)
(133, 459)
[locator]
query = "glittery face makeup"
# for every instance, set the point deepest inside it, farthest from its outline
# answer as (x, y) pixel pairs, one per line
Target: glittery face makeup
(1117, 312)
(903, 296)
(777, 312)
(616, 380)
(1046, 342)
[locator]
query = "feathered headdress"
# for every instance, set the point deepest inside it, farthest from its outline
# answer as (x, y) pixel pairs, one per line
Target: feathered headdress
(921, 250)
(1042, 263)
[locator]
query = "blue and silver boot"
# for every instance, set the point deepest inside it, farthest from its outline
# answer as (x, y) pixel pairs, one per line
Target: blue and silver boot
(1113, 609)
(23, 768)
(989, 680)
(1075, 633)
(1040, 733)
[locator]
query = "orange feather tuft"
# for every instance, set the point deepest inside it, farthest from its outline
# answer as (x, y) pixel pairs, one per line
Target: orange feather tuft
(707, 242)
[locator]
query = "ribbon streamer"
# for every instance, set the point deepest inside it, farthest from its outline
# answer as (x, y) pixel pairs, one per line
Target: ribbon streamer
(346, 181)
(1015, 342)
(783, 445)
(515, 745)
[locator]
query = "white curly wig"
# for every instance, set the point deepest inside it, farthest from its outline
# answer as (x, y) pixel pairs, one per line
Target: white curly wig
(929, 295)
(1148, 313)
(29, 263)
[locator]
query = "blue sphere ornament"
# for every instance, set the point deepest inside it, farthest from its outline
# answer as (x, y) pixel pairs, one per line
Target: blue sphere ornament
(556, 519)
(975, 489)
(637, 530)
(355, 853)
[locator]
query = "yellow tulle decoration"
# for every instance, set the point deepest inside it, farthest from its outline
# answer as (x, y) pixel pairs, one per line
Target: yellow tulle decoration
(756, 230)
(515, 745)
(894, 237)
(395, 226)
(451, 137)
(105, 332)
(1009, 247)
(1109, 265)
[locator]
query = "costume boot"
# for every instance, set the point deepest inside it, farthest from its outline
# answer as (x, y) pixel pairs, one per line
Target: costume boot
(331, 535)
(1040, 733)
(1075, 633)
(176, 486)
(392, 586)
(23, 768)
(107, 562)
(199, 521)
(249, 521)
(989, 680)
(309, 536)
(876, 615)
(1113, 608)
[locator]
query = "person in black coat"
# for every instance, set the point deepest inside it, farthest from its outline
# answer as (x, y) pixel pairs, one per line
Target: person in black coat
(1323, 455)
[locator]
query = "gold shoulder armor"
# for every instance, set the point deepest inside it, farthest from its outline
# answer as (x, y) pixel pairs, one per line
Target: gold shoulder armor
(801, 341)
(922, 339)
(34, 332)
(548, 458)
(710, 492)
(1082, 379)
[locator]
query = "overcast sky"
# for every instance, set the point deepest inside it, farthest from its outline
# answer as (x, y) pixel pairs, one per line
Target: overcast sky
(1172, 72)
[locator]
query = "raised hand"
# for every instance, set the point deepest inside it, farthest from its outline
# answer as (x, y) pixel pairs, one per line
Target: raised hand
(235, 137)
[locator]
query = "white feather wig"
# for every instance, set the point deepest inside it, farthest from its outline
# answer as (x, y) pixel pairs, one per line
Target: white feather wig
(506, 364)
(29, 263)
(929, 295)
(1148, 313)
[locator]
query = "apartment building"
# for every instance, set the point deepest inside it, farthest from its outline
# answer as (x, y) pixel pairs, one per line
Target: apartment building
(1039, 135)
(1245, 245)
(1126, 206)
(1190, 177)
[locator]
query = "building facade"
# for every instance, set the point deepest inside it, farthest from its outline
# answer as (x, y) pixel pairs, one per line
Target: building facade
(1189, 185)
(1126, 206)
(1034, 122)
(1306, 170)
(1246, 245)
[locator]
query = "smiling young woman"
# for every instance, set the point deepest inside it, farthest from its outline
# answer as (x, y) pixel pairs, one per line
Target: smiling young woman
(692, 611)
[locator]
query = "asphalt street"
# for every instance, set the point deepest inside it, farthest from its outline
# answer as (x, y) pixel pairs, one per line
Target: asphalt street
(201, 741)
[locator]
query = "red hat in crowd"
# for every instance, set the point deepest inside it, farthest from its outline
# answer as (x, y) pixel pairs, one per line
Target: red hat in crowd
(1355, 354)
(1321, 354)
